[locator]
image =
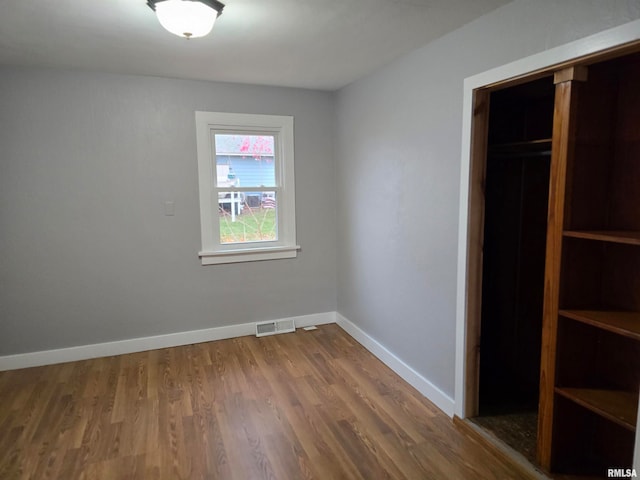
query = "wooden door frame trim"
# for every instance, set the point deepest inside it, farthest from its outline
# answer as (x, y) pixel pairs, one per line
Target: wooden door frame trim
(609, 43)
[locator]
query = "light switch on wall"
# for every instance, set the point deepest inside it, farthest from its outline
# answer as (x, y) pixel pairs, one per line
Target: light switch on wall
(169, 208)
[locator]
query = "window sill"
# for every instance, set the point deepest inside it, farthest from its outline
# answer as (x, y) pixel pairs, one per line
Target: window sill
(248, 255)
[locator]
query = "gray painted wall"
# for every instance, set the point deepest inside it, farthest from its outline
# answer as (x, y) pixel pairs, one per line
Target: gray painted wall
(398, 147)
(87, 160)
(86, 253)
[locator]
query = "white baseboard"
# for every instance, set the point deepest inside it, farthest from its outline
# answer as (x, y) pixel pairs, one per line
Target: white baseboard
(417, 381)
(49, 357)
(83, 352)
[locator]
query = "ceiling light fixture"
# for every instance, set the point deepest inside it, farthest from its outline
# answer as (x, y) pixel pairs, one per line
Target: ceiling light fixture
(187, 18)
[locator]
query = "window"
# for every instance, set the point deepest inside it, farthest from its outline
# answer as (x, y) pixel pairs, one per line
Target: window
(245, 170)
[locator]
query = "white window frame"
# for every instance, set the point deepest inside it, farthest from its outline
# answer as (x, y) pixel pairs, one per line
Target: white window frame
(281, 128)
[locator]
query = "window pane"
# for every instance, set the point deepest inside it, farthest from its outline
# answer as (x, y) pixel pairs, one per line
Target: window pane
(245, 160)
(247, 217)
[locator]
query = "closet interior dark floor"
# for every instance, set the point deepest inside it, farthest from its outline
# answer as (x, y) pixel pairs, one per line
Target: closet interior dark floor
(517, 430)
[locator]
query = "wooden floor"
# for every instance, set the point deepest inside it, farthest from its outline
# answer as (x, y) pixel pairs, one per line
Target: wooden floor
(294, 406)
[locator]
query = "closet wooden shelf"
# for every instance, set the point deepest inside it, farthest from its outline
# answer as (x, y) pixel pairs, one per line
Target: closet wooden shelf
(614, 236)
(622, 323)
(614, 405)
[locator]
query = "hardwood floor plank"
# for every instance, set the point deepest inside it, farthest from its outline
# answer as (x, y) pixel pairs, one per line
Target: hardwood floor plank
(390, 445)
(308, 405)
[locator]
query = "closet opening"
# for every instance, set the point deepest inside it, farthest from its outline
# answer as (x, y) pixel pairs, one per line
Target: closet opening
(516, 195)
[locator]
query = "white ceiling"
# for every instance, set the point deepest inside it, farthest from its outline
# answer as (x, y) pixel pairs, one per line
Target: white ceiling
(298, 43)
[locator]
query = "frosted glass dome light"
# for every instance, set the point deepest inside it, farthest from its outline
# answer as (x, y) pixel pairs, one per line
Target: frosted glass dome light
(187, 18)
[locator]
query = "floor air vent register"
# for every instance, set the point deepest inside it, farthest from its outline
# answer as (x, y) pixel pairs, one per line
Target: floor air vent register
(273, 327)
